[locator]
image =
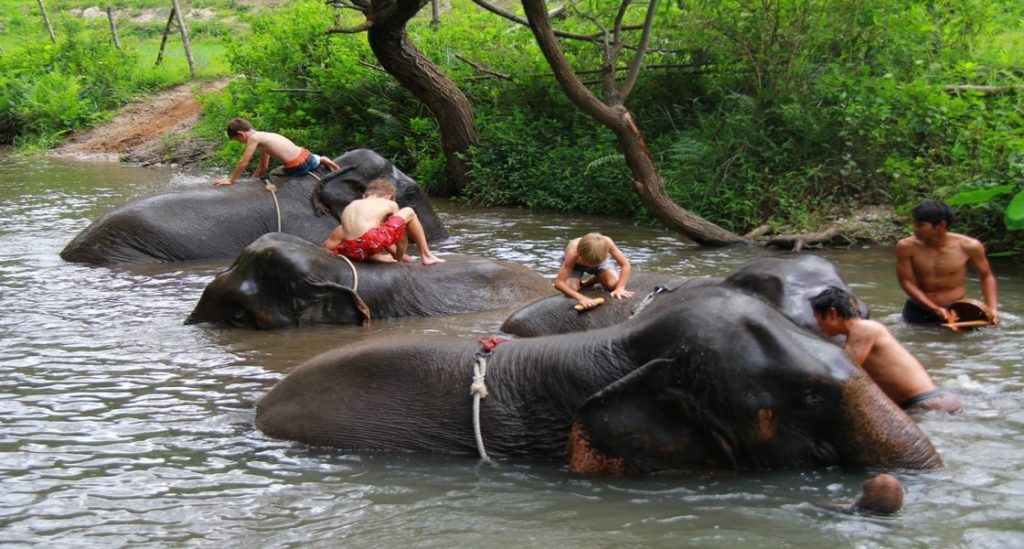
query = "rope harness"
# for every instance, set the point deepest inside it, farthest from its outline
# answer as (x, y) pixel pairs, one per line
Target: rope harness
(268, 185)
(479, 388)
(647, 300)
(273, 192)
(668, 288)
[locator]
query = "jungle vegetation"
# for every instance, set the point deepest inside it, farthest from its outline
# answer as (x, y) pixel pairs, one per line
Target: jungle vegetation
(788, 112)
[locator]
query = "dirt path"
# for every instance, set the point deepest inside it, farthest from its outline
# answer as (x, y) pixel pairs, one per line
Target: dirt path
(141, 131)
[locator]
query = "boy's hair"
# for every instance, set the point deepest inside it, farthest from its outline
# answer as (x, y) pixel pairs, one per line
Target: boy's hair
(934, 212)
(593, 248)
(380, 187)
(839, 299)
(237, 126)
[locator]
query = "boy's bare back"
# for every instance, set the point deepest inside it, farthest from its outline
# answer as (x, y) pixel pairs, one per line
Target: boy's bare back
(364, 214)
(276, 145)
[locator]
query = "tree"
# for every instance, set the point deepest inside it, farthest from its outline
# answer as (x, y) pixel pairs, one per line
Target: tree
(613, 114)
(385, 27)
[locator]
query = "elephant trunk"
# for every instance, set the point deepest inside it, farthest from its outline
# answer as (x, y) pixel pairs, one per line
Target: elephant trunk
(877, 433)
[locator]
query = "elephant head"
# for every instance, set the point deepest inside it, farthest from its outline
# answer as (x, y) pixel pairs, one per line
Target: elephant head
(738, 387)
(789, 283)
(280, 281)
(718, 381)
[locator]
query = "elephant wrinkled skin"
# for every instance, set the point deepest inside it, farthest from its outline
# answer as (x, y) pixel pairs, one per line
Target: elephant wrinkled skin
(721, 381)
(208, 222)
(786, 282)
(281, 281)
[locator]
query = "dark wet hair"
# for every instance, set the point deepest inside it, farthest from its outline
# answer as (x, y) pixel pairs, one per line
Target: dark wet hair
(934, 212)
(237, 126)
(844, 303)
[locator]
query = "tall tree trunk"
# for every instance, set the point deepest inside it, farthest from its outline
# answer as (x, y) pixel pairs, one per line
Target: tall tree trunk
(418, 74)
(615, 116)
(46, 19)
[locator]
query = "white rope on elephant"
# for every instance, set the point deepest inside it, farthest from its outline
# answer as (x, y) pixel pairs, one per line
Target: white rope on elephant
(355, 273)
(479, 390)
(273, 192)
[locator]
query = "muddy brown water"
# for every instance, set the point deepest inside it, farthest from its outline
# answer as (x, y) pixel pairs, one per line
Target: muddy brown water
(122, 426)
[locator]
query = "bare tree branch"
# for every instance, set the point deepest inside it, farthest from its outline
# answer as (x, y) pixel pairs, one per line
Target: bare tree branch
(483, 69)
(362, 27)
(641, 50)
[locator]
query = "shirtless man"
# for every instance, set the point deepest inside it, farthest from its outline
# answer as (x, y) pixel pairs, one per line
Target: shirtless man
(295, 160)
(374, 224)
(870, 345)
(931, 266)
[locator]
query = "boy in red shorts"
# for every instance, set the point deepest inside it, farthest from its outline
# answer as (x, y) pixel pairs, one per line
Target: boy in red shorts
(374, 224)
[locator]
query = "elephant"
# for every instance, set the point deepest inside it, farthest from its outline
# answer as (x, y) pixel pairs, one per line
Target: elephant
(786, 282)
(721, 381)
(208, 222)
(282, 281)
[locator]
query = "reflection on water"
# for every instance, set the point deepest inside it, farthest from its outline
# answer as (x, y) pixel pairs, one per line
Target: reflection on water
(123, 426)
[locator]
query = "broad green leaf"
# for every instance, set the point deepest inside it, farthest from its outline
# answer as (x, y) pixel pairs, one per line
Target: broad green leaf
(980, 196)
(1015, 213)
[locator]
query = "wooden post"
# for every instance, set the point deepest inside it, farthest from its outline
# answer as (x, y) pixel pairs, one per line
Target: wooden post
(435, 14)
(113, 29)
(46, 19)
(184, 38)
(163, 41)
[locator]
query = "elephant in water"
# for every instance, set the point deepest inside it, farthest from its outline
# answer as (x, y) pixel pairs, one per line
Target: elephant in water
(720, 381)
(210, 222)
(282, 281)
(786, 282)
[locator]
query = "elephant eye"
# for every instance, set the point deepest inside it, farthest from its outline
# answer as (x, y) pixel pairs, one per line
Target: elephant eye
(813, 398)
(238, 317)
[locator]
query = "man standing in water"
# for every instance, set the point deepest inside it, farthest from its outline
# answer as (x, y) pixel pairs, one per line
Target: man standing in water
(931, 266)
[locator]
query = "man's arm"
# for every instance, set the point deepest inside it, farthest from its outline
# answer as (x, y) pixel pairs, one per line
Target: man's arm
(243, 162)
(907, 280)
(625, 269)
(977, 260)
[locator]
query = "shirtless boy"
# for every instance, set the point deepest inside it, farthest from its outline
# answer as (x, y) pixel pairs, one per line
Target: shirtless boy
(870, 345)
(931, 266)
(374, 224)
(589, 255)
(296, 160)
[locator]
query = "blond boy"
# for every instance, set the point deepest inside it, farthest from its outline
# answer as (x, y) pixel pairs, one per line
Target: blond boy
(589, 254)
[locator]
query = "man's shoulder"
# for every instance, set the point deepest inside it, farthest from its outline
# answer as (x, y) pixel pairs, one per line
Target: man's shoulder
(963, 240)
(907, 243)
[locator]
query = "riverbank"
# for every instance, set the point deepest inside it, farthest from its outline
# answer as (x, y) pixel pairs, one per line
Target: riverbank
(149, 132)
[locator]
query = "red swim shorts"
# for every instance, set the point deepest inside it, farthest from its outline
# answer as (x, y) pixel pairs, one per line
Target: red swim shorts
(373, 241)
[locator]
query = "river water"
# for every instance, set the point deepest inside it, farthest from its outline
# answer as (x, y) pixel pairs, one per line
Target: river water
(122, 426)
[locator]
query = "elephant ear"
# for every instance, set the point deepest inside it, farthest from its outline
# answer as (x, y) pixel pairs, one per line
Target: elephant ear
(646, 422)
(337, 304)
